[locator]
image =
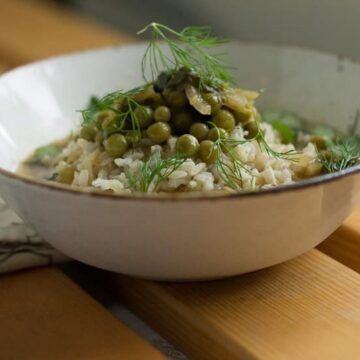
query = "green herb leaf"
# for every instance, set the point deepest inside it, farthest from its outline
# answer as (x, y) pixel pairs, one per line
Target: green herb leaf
(341, 154)
(287, 134)
(286, 123)
(228, 165)
(188, 49)
(48, 150)
(290, 155)
(107, 103)
(93, 100)
(324, 131)
(154, 171)
(343, 151)
(43, 153)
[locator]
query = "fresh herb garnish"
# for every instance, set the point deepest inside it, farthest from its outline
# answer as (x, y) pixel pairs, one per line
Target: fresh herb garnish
(44, 153)
(323, 131)
(343, 151)
(290, 155)
(228, 165)
(124, 111)
(154, 171)
(187, 49)
(286, 123)
(341, 154)
(286, 133)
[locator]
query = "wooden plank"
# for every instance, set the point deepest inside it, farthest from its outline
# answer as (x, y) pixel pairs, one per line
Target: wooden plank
(44, 315)
(31, 30)
(4, 67)
(307, 308)
(344, 244)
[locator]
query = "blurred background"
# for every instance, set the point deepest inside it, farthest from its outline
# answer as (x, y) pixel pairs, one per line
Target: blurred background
(326, 24)
(34, 29)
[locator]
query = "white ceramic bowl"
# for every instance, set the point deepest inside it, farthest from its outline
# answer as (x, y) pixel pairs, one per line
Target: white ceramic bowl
(177, 238)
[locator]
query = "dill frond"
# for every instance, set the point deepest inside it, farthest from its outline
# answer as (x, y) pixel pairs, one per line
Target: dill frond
(228, 165)
(107, 103)
(343, 151)
(154, 171)
(341, 154)
(188, 49)
(264, 146)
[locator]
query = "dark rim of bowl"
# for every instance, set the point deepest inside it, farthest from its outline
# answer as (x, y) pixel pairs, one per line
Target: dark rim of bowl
(300, 185)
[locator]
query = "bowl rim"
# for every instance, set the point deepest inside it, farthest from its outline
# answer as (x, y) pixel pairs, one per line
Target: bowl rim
(191, 196)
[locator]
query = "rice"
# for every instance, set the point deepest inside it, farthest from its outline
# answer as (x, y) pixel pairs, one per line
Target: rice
(94, 169)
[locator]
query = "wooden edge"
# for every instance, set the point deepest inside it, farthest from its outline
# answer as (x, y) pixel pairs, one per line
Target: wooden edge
(31, 30)
(307, 308)
(4, 67)
(344, 244)
(44, 315)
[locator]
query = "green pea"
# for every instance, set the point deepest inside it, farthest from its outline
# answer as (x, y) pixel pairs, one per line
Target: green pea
(116, 145)
(118, 103)
(162, 114)
(313, 170)
(66, 175)
(175, 98)
(144, 115)
(109, 123)
(207, 151)
(215, 132)
(133, 137)
(319, 141)
(182, 122)
(99, 137)
(88, 133)
(105, 115)
(147, 95)
(224, 119)
(106, 119)
(252, 128)
(214, 100)
(159, 132)
(199, 130)
(187, 145)
(242, 116)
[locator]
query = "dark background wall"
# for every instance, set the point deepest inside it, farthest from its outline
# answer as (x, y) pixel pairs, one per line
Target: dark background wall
(325, 24)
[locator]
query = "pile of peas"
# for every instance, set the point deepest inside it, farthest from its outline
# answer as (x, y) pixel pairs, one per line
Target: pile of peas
(165, 112)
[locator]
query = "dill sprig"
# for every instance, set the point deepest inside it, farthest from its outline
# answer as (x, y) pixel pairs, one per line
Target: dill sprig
(153, 172)
(341, 154)
(123, 113)
(188, 49)
(290, 155)
(343, 151)
(228, 165)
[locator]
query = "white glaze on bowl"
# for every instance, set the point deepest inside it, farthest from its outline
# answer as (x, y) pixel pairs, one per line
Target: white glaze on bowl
(177, 238)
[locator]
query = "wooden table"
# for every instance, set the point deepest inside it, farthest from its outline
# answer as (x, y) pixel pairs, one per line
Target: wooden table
(307, 308)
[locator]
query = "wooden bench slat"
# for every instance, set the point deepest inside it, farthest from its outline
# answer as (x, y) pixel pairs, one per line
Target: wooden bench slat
(44, 315)
(307, 308)
(31, 30)
(344, 244)
(304, 309)
(3, 67)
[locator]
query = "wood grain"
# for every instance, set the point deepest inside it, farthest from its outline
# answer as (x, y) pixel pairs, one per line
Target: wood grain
(307, 308)
(4, 66)
(31, 30)
(344, 244)
(44, 315)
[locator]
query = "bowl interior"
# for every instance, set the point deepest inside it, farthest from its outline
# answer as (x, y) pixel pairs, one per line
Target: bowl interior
(38, 102)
